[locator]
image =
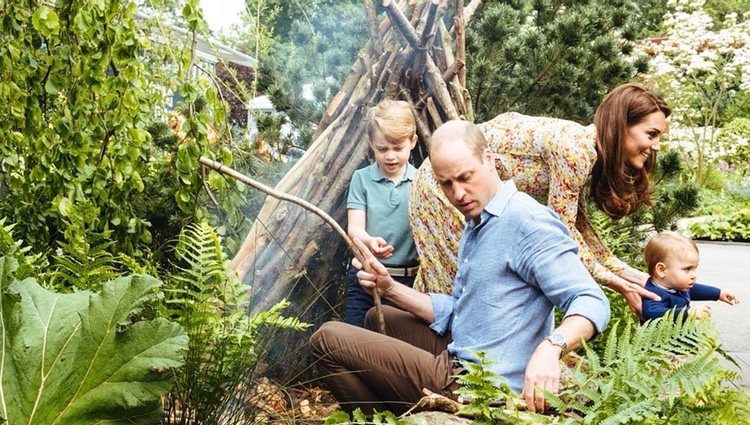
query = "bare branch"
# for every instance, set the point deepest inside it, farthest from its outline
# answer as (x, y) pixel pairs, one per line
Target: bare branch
(401, 23)
(373, 25)
(470, 10)
(460, 42)
(221, 168)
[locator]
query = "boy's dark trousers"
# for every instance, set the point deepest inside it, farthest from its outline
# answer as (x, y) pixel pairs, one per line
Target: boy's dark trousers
(358, 301)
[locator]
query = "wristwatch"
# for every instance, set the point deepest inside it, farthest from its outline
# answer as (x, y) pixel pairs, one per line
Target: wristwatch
(558, 340)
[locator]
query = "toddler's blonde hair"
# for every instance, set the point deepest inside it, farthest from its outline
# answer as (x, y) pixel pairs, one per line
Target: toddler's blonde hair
(664, 245)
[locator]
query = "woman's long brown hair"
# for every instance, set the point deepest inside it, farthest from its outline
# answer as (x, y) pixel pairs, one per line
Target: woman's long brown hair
(617, 188)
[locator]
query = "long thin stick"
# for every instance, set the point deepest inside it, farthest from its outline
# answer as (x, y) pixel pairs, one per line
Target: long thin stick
(218, 166)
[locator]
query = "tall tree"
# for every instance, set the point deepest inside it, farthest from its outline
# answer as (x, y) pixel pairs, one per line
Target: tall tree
(553, 58)
(305, 48)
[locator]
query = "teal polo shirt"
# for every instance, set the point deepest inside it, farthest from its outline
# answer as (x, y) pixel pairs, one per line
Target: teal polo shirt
(386, 205)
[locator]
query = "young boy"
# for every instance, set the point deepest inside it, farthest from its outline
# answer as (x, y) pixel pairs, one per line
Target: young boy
(378, 202)
(672, 260)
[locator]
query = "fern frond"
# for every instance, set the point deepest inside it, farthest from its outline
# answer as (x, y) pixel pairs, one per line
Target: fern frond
(86, 265)
(635, 413)
(28, 264)
(205, 296)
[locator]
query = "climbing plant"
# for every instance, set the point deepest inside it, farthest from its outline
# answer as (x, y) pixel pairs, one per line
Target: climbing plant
(81, 84)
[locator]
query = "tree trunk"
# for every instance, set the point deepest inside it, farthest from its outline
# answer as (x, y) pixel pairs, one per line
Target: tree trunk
(289, 252)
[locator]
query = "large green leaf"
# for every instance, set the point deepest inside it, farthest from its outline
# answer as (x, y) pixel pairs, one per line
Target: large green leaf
(81, 358)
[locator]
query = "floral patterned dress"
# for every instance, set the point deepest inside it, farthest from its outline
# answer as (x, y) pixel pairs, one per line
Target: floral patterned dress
(548, 158)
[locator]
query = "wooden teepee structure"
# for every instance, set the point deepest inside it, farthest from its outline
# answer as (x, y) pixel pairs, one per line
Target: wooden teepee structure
(415, 53)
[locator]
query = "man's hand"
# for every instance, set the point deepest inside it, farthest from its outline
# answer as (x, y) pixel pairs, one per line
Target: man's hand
(729, 297)
(380, 248)
(377, 275)
(542, 373)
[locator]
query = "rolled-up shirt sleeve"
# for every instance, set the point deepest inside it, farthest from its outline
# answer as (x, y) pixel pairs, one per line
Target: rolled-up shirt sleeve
(442, 307)
(550, 260)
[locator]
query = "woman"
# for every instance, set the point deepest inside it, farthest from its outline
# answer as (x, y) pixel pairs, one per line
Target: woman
(557, 160)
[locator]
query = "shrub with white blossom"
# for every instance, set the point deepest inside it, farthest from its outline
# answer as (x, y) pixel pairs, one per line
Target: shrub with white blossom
(701, 69)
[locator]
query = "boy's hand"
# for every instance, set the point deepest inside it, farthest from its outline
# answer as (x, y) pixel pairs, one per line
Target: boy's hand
(701, 311)
(380, 248)
(729, 297)
(377, 277)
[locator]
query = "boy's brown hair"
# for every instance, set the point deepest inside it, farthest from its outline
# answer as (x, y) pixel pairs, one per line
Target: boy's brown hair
(394, 119)
(664, 245)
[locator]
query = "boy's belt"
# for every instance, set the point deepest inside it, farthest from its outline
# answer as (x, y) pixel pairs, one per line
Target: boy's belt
(402, 271)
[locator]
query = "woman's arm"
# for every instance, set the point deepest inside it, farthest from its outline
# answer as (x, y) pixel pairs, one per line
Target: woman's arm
(569, 164)
(607, 258)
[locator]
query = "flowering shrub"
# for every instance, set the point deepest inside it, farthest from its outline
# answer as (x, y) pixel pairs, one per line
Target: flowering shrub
(700, 70)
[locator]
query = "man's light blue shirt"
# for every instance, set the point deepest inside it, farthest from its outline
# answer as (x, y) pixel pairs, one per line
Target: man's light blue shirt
(514, 267)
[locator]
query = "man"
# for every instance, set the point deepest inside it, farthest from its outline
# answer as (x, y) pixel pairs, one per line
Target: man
(516, 262)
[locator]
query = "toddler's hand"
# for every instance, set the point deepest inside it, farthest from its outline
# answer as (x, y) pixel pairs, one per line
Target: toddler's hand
(380, 248)
(729, 297)
(700, 311)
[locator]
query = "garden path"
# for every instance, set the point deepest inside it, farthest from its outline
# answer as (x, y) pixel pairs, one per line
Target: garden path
(727, 266)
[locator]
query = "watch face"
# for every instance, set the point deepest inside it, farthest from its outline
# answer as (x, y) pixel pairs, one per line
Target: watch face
(557, 339)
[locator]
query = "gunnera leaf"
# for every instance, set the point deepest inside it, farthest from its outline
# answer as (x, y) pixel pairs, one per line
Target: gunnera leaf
(67, 358)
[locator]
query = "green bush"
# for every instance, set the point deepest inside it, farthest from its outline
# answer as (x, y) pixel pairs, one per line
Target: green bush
(733, 226)
(734, 140)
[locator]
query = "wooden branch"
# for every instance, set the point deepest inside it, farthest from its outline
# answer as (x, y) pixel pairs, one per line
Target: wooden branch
(427, 34)
(427, 30)
(470, 10)
(401, 23)
(451, 72)
(437, 85)
(460, 42)
(221, 168)
(374, 27)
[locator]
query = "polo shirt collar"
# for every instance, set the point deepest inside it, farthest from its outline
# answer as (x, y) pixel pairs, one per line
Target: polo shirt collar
(376, 175)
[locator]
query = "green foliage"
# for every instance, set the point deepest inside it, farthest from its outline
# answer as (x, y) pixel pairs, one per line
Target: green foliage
(664, 371)
(85, 357)
(71, 128)
(27, 264)
(491, 400)
(720, 202)
(83, 82)
(734, 142)
(719, 9)
(357, 417)
(550, 58)
(83, 260)
(674, 197)
(304, 46)
(732, 226)
(739, 107)
(204, 295)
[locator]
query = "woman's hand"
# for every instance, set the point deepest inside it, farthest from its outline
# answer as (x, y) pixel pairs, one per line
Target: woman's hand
(634, 276)
(633, 293)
